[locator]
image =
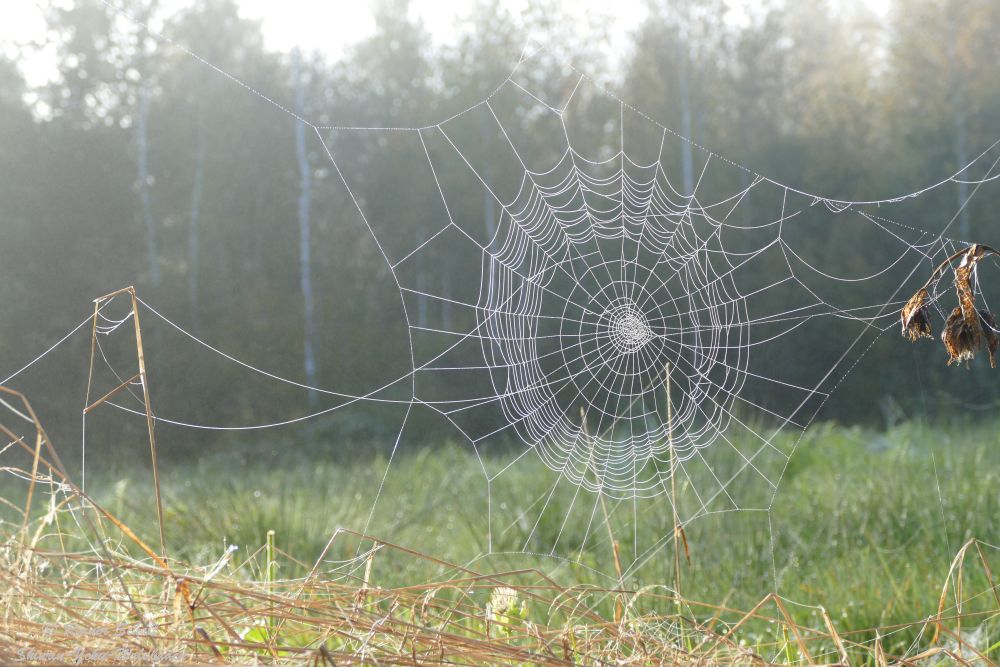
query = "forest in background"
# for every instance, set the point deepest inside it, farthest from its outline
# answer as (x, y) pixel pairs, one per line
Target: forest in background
(141, 165)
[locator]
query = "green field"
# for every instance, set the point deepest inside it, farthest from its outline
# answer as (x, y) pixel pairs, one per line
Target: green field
(866, 523)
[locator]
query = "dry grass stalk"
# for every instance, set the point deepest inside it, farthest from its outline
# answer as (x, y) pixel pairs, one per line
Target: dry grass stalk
(835, 636)
(438, 622)
(64, 603)
(619, 605)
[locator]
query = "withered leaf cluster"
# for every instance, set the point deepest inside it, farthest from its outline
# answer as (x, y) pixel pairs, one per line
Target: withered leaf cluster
(915, 322)
(967, 329)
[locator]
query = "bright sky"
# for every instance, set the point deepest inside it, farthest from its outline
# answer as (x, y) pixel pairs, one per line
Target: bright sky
(326, 26)
(331, 25)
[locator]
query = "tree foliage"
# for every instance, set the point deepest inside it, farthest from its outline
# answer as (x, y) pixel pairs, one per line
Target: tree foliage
(822, 96)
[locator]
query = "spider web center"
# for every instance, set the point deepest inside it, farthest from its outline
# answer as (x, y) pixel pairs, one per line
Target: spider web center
(628, 328)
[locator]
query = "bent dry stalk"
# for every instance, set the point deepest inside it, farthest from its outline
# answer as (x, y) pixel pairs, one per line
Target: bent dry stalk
(967, 327)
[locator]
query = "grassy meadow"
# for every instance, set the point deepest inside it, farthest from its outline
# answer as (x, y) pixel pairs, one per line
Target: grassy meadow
(865, 525)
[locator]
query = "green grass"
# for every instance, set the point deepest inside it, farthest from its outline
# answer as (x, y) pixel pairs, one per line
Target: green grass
(865, 523)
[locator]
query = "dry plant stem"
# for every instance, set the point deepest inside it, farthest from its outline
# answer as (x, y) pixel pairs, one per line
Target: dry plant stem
(943, 266)
(794, 627)
(208, 642)
(90, 382)
(111, 394)
(55, 467)
(736, 626)
(144, 381)
(619, 607)
(880, 659)
(989, 574)
(963, 646)
(103, 512)
(673, 488)
(31, 485)
(841, 651)
(956, 573)
(149, 421)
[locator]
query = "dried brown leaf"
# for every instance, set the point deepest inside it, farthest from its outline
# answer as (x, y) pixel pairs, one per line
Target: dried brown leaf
(960, 340)
(967, 328)
(914, 317)
(989, 327)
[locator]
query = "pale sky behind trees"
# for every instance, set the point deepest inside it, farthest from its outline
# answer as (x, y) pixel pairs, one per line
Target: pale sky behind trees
(329, 26)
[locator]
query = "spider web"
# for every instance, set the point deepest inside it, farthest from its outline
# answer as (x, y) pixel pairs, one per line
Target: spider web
(631, 332)
(630, 315)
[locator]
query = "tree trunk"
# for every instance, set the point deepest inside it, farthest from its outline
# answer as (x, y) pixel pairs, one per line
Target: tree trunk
(687, 157)
(142, 146)
(193, 241)
(305, 269)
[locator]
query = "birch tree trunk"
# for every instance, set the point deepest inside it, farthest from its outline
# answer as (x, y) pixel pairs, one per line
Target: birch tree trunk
(305, 268)
(193, 240)
(142, 149)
